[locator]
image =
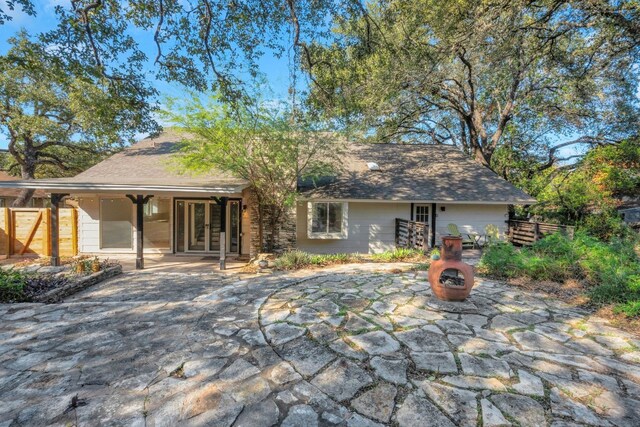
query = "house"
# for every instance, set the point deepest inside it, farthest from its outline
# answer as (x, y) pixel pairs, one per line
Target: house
(433, 184)
(138, 201)
(629, 210)
(9, 195)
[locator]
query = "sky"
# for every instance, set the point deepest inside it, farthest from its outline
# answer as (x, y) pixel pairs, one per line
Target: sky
(275, 70)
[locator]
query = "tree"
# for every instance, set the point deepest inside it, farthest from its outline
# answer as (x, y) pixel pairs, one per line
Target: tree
(259, 143)
(476, 73)
(203, 44)
(590, 190)
(25, 6)
(61, 114)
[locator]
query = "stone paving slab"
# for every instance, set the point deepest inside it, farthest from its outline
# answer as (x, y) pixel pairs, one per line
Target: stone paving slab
(346, 346)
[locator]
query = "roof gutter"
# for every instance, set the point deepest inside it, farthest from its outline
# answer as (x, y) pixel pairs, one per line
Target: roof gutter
(448, 202)
(95, 187)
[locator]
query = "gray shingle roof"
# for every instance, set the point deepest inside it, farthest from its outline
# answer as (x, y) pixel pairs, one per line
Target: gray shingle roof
(428, 173)
(151, 161)
(415, 173)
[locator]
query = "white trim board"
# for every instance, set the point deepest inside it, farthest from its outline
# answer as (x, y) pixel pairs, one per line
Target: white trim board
(440, 202)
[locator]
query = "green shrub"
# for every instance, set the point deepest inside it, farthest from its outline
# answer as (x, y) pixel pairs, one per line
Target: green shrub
(297, 259)
(293, 260)
(611, 270)
(605, 225)
(12, 283)
(501, 260)
(329, 259)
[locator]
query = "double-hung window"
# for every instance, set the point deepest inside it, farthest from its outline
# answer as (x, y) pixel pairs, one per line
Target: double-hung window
(327, 220)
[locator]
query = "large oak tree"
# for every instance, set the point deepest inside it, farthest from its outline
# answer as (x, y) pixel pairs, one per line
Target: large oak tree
(61, 113)
(537, 75)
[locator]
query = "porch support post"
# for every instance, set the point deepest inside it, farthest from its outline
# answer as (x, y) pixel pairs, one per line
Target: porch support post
(54, 228)
(432, 243)
(139, 200)
(223, 231)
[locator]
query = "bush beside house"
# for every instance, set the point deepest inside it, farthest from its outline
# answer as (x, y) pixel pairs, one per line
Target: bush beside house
(609, 271)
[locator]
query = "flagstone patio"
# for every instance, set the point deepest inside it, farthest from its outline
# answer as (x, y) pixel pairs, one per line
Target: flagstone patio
(347, 346)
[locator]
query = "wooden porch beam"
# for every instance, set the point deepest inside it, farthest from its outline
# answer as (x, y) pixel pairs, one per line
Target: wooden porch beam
(54, 228)
(222, 202)
(139, 200)
(432, 236)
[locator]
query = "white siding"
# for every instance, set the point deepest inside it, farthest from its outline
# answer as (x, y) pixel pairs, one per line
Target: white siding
(470, 218)
(371, 229)
(371, 225)
(88, 224)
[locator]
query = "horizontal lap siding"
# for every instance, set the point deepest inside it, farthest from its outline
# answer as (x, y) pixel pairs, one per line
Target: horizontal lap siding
(372, 225)
(89, 224)
(470, 218)
(371, 229)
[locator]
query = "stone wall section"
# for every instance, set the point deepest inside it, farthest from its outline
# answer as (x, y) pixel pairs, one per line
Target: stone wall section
(285, 236)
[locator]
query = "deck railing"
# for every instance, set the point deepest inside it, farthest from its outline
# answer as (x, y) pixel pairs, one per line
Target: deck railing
(526, 233)
(412, 235)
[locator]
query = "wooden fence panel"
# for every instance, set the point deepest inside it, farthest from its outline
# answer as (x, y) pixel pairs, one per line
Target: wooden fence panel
(412, 235)
(526, 233)
(26, 231)
(30, 227)
(5, 231)
(68, 240)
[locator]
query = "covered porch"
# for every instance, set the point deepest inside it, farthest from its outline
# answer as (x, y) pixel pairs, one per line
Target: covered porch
(179, 264)
(188, 225)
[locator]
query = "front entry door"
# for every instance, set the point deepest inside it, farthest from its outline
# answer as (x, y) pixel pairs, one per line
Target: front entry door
(198, 226)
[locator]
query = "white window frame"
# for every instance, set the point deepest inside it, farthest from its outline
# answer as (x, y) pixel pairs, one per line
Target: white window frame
(325, 235)
(415, 212)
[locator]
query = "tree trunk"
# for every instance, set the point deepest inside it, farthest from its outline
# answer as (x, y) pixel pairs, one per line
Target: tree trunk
(28, 172)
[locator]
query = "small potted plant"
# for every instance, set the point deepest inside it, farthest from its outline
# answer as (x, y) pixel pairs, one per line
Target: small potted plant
(95, 265)
(79, 267)
(435, 254)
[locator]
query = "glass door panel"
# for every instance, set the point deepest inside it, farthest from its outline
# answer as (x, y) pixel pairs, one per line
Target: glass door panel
(214, 229)
(196, 225)
(180, 226)
(234, 227)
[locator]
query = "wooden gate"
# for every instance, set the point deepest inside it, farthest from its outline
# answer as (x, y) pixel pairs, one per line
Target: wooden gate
(26, 231)
(412, 235)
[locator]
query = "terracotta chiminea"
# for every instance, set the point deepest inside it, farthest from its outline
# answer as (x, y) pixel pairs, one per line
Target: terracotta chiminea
(450, 278)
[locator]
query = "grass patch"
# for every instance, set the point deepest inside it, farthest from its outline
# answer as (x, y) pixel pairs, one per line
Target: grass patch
(399, 255)
(609, 272)
(297, 259)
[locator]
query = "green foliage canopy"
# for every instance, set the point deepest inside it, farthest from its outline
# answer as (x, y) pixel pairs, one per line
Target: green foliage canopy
(538, 75)
(261, 144)
(61, 114)
(590, 190)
